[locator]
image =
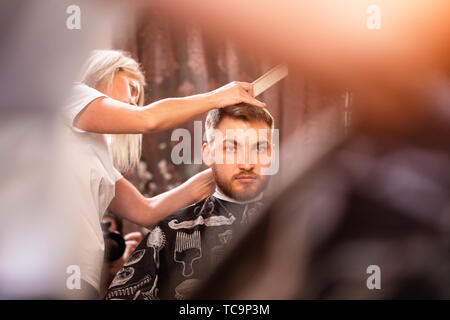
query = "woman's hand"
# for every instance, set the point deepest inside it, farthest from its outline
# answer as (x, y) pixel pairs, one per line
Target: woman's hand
(128, 203)
(132, 240)
(235, 92)
(201, 185)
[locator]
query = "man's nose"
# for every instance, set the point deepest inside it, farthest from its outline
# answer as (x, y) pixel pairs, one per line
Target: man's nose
(246, 160)
(247, 165)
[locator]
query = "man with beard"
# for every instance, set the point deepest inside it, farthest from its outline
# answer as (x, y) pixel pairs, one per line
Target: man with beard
(182, 249)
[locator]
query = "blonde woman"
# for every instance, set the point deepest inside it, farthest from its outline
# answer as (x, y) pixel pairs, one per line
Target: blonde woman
(109, 103)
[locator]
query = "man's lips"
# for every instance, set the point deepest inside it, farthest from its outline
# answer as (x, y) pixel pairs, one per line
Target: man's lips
(246, 178)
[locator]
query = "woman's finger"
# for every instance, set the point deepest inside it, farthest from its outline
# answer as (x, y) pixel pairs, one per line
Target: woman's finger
(246, 85)
(254, 102)
(207, 174)
(133, 235)
(131, 244)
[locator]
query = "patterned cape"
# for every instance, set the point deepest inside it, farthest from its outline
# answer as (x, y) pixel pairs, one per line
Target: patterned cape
(176, 254)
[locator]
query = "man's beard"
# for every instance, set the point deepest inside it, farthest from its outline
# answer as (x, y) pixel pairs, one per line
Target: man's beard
(226, 186)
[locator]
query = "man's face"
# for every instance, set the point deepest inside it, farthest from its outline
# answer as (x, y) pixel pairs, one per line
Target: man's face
(236, 156)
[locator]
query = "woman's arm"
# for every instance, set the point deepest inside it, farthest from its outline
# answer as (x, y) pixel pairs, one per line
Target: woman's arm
(129, 203)
(106, 115)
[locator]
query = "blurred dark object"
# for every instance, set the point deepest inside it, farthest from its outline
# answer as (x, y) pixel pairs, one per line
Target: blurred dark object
(114, 243)
(116, 222)
(40, 59)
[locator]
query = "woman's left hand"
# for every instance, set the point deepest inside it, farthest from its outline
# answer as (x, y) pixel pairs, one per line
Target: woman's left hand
(201, 185)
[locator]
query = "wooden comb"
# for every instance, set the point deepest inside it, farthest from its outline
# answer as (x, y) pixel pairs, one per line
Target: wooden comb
(269, 79)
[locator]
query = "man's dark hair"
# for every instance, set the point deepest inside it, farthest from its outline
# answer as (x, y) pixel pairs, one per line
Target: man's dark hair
(242, 111)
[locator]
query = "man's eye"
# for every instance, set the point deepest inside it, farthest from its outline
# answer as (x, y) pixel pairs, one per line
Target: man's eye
(229, 148)
(262, 148)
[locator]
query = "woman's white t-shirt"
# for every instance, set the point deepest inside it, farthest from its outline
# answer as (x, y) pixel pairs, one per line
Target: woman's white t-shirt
(93, 177)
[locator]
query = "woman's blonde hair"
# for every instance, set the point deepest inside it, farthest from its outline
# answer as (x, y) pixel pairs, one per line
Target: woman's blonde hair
(98, 73)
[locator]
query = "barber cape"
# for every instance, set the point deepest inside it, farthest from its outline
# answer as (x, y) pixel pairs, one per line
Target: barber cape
(176, 254)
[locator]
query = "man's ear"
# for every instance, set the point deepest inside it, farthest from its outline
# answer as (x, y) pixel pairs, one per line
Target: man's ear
(206, 155)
